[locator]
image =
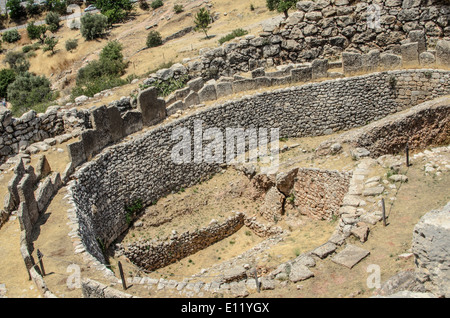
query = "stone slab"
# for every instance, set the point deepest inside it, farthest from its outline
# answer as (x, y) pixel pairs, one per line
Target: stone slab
(350, 256)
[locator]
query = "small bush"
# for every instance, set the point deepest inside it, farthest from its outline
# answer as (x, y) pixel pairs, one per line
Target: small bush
(252, 7)
(154, 39)
(156, 4)
(112, 51)
(178, 8)
(236, 33)
(71, 45)
(11, 36)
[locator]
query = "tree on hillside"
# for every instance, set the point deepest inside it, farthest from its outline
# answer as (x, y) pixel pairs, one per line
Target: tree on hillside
(115, 10)
(36, 32)
(202, 21)
(53, 21)
(281, 5)
(50, 44)
(93, 26)
(16, 11)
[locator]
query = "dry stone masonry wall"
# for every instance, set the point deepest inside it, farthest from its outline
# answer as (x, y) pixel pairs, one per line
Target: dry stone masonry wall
(325, 29)
(142, 168)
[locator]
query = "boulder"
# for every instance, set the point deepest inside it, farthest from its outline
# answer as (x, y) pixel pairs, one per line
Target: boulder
(431, 239)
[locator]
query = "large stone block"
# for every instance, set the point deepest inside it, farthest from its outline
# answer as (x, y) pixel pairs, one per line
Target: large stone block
(153, 109)
(319, 68)
(371, 60)
(419, 37)
(352, 62)
(196, 84)
(116, 129)
(207, 93)
(191, 100)
(410, 53)
(430, 246)
(443, 53)
(224, 89)
(132, 122)
(91, 145)
(390, 61)
(302, 74)
(76, 153)
(26, 194)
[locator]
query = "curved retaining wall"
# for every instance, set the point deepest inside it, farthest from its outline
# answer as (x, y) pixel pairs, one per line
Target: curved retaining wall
(142, 168)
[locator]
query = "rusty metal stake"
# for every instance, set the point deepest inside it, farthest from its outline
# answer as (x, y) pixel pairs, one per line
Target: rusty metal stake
(122, 276)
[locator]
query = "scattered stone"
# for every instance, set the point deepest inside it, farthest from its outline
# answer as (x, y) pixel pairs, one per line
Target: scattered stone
(299, 273)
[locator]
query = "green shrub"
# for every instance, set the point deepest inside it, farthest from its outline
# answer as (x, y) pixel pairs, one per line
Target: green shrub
(234, 34)
(93, 26)
(29, 90)
(112, 51)
(103, 73)
(97, 85)
(17, 61)
(11, 36)
(36, 31)
(71, 44)
(50, 44)
(165, 88)
(7, 76)
(154, 39)
(178, 8)
(156, 4)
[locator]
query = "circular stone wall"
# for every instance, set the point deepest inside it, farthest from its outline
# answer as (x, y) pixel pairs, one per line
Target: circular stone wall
(143, 168)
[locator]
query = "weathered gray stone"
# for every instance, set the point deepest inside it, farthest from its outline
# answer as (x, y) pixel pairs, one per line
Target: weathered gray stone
(76, 153)
(191, 100)
(299, 273)
(301, 74)
(350, 256)
(431, 238)
(285, 181)
(352, 62)
(390, 61)
(224, 89)
(410, 53)
(443, 53)
(132, 122)
(43, 168)
(427, 59)
(324, 250)
(419, 37)
(319, 68)
(153, 109)
(207, 93)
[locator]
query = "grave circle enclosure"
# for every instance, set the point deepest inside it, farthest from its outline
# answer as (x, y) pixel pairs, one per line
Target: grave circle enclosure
(142, 168)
